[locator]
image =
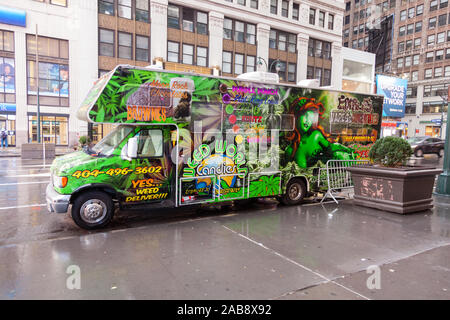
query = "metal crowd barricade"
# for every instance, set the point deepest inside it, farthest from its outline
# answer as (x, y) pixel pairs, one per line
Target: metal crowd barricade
(338, 177)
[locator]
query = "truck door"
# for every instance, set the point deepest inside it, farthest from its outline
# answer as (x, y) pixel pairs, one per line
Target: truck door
(153, 170)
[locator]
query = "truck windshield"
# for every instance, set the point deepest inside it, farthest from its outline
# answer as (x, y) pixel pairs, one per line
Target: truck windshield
(107, 145)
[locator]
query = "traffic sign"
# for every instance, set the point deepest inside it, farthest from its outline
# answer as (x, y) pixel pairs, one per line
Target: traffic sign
(436, 121)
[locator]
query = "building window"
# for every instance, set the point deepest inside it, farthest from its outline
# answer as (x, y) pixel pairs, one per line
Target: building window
(106, 7)
(285, 8)
(191, 20)
(125, 45)
(447, 53)
(292, 68)
(432, 23)
(410, 28)
(411, 12)
(323, 75)
(251, 63)
(418, 26)
(411, 92)
(173, 17)
(322, 19)
(295, 11)
(251, 33)
(403, 15)
(202, 23)
(173, 51)
(408, 45)
(416, 60)
(348, 6)
(54, 129)
(447, 71)
(226, 61)
(124, 9)
(243, 32)
(53, 83)
(202, 56)
(400, 63)
(430, 39)
(401, 46)
(401, 31)
(417, 43)
(142, 11)
(188, 54)
(239, 28)
(241, 2)
(347, 20)
(238, 63)
(415, 75)
(254, 4)
(410, 108)
(107, 43)
(419, 10)
(438, 72)
(408, 61)
(274, 6)
(228, 29)
(428, 73)
(441, 37)
(439, 55)
(62, 3)
(7, 83)
(442, 20)
(319, 48)
(429, 56)
(312, 16)
(330, 21)
(443, 4)
(188, 19)
(142, 48)
(282, 41)
(433, 5)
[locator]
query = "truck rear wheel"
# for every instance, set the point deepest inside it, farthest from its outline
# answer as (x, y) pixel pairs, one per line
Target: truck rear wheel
(92, 210)
(295, 192)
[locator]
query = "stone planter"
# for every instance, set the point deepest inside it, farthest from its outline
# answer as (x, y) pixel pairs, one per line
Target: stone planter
(35, 151)
(399, 190)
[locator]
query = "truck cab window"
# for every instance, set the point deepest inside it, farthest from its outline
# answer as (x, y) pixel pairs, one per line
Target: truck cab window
(150, 143)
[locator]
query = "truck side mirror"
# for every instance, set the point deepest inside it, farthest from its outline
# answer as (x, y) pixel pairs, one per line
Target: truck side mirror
(132, 148)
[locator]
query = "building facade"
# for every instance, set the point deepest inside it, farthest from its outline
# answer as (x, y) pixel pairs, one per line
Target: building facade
(79, 40)
(67, 64)
(416, 47)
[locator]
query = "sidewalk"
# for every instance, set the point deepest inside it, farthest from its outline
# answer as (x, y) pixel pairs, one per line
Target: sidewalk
(16, 151)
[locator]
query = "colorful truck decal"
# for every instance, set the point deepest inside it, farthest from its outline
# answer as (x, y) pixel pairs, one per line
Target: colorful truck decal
(224, 139)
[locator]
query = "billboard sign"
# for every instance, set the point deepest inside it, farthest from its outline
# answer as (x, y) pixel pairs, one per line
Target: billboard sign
(13, 16)
(394, 92)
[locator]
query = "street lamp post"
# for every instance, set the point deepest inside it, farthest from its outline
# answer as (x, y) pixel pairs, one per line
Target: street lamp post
(443, 182)
(277, 66)
(37, 85)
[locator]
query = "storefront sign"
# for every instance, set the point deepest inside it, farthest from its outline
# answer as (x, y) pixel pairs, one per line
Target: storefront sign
(394, 92)
(6, 107)
(13, 16)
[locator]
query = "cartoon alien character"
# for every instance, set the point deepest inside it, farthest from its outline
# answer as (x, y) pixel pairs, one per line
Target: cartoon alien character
(309, 141)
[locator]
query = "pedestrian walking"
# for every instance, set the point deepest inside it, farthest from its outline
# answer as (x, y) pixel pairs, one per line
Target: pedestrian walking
(4, 137)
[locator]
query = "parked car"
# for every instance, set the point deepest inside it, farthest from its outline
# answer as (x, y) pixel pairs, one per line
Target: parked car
(423, 145)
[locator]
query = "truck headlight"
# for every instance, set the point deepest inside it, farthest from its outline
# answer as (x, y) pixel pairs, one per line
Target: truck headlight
(59, 182)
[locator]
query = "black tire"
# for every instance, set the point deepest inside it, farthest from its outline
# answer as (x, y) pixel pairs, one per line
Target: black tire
(418, 153)
(295, 192)
(440, 153)
(93, 210)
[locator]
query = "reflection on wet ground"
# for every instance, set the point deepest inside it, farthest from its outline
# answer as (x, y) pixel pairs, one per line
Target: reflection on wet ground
(253, 251)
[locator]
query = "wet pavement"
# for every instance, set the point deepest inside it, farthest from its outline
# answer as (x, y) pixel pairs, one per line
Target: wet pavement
(257, 251)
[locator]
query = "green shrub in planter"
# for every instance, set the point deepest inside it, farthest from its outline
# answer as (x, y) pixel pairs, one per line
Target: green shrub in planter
(84, 140)
(390, 152)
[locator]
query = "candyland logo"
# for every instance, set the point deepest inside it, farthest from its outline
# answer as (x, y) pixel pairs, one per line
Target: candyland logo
(224, 160)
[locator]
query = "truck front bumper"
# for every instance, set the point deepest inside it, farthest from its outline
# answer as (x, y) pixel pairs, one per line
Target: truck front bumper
(56, 202)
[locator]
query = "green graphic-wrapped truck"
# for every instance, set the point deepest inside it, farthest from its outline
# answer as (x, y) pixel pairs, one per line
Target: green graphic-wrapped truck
(185, 139)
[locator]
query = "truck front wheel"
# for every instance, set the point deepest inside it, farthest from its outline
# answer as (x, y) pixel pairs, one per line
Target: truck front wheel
(92, 210)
